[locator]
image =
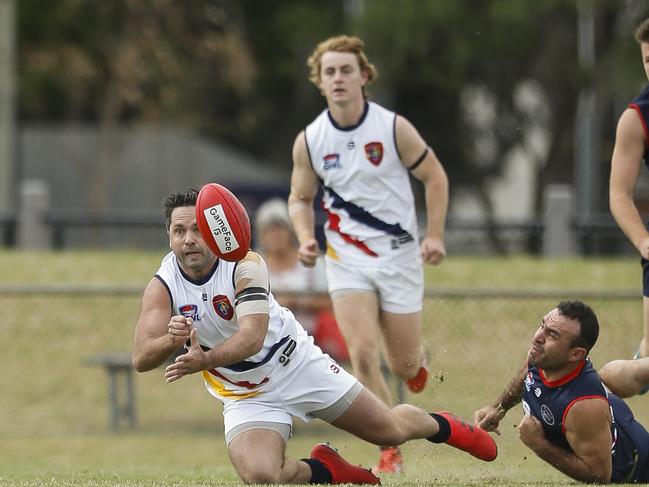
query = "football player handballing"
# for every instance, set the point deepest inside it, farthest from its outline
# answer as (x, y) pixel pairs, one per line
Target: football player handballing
(258, 361)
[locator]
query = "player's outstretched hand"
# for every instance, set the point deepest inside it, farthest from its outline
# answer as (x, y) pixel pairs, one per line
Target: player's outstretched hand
(308, 252)
(488, 418)
(195, 360)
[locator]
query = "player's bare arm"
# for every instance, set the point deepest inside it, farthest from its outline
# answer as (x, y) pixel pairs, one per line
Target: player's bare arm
(424, 165)
(157, 334)
(251, 306)
(304, 187)
(625, 168)
(488, 418)
(587, 427)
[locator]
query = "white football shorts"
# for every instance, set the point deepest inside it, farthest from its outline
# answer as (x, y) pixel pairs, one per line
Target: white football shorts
(313, 386)
(400, 288)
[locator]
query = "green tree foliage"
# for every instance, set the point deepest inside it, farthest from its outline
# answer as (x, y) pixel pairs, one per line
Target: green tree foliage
(506, 50)
(461, 70)
(136, 60)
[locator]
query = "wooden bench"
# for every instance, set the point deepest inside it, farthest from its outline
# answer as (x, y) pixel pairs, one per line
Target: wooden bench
(121, 393)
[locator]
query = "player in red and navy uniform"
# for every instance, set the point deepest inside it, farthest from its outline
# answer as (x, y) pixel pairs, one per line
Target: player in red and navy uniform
(631, 147)
(362, 156)
(571, 420)
(550, 401)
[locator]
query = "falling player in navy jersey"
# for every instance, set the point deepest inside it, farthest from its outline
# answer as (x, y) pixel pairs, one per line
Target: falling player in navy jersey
(571, 419)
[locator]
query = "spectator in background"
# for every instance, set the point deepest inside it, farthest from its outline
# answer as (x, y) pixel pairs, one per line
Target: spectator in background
(631, 147)
(301, 289)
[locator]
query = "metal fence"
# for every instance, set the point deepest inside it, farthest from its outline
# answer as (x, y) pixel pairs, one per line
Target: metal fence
(599, 235)
(51, 384)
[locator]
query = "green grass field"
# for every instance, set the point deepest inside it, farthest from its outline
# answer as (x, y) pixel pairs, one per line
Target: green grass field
(53, 426)
(136, 268)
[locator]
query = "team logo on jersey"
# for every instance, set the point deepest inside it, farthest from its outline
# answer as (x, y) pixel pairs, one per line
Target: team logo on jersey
(374, 152)
(547, 415)
(529, 380)
(223, 307)
(332, 161)
(190, 311)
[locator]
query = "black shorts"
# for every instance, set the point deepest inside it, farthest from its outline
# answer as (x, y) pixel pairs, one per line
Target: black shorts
(641, 439)
(631, 457)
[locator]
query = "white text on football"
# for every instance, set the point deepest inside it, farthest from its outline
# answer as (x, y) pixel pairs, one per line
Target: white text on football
(220, 228)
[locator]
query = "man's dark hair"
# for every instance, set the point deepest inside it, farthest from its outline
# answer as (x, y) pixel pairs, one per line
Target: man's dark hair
(642, 32)
(588, 324)
(178, 199)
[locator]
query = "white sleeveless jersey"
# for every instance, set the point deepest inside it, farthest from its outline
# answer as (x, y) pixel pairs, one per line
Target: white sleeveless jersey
(210, 303)
(367, 193)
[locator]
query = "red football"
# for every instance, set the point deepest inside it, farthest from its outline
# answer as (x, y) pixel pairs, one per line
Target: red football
(223, 222)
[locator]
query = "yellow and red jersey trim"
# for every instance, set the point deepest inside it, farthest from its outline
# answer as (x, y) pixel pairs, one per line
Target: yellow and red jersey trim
(332, 253)
(220, 389)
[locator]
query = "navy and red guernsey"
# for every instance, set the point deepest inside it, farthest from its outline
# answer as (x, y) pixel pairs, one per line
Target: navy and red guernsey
(641, 104)
(550, 401)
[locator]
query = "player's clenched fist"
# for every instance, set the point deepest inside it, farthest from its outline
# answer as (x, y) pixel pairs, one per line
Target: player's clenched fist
(530, 431)
(308, 252)
(179, 329)
(433, 250)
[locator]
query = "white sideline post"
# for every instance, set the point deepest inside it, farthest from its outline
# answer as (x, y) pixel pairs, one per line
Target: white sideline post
(558, 212)
(33, 231)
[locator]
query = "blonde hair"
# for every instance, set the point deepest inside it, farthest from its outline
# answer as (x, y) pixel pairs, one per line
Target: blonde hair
(642, 32)
(343, 43)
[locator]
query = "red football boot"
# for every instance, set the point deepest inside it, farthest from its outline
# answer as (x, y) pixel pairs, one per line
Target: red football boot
(470, 439)
(418, 382)
(342, 472)
(390, 461)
